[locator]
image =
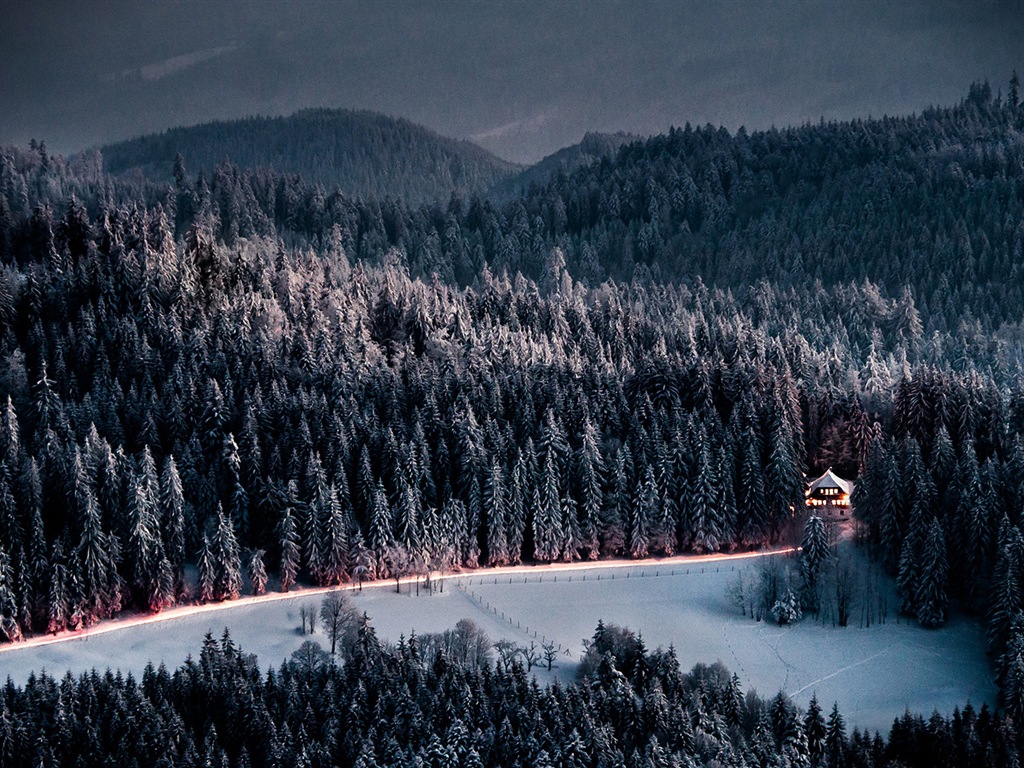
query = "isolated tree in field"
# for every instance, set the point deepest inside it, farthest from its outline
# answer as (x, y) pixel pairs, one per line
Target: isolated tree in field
(531, 655)
(550, 653)
(336, 617)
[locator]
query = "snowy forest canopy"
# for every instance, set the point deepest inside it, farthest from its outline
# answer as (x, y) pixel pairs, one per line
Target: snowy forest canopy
(643, 356)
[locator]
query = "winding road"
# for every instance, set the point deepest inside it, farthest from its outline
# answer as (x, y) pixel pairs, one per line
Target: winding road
(135, 620)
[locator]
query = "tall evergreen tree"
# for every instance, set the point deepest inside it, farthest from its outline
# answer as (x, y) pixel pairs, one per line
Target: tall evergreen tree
(932, 600)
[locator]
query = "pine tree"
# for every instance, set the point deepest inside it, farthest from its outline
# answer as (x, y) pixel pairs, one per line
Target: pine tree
(226, 559)
(257, 571)
(496, 510)
(932, 600)
(94, 555)
(570, 527)
(547, 533)
(783, 476)
(814, 553)
(408, 516)
(172, 517)
(516, 509)
(59, 605)
(590, 475)
(616, 508)
(207, 571)
(9, 625)
(1005, 598)
(835, 738)
(814, 728)
(704, 514)
(642, 511)
(908, 576)
(335, 538)
(288, 537)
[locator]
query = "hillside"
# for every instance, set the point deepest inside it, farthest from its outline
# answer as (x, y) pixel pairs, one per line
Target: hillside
(363, 153)
(593, 147)
(642, 356)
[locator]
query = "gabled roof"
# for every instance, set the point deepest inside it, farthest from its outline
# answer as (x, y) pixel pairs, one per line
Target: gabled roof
(830, 480)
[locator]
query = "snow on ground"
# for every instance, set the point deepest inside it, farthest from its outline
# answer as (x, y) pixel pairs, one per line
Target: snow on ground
(873, 673)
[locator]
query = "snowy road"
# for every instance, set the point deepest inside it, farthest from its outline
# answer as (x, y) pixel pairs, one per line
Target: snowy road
(135, 620)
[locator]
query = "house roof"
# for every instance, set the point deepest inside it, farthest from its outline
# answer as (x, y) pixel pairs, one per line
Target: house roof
(830, 480)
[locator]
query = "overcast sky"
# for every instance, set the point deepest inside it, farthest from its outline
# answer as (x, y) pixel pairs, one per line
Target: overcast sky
(520, 78)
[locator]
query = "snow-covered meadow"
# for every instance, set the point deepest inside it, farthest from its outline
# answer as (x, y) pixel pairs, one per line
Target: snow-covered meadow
(874, 673)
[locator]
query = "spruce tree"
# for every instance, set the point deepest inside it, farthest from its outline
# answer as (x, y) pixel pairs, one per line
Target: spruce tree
(226, 559)
(496, 510)
(814, 553)
(288, 538)
(257, 571)
(9, 624)
(547, 533)
(932, 600)
(207, 569)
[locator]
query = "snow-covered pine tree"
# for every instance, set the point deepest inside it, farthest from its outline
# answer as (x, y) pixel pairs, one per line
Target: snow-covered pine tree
(705, 516)
(516, 508)
(207, 571)
(590, 473)
(289, 539)
(172, 517)
(257, 571)
(495, 509)
(570, 527)
(547, 532)
(9, 625)
(617, 505)
(226, 559)
(335, 538)
(932, 596)
(643, 510)
(814, 553)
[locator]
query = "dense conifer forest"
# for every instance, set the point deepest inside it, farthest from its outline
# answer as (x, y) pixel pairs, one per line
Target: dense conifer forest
(246, 372)
(391, 706)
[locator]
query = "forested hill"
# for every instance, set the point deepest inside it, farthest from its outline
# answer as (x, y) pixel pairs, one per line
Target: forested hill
(932, 204)
(933, 201)
(362, 153)
(336, 386)
(593, 147)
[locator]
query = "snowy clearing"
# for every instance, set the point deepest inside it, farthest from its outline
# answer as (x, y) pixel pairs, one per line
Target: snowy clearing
(873, 673)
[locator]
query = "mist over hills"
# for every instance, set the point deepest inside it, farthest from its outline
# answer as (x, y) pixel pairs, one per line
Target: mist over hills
(364, 154)
(594, 146)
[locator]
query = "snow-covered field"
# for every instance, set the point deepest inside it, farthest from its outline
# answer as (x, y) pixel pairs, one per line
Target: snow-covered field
(873, 673)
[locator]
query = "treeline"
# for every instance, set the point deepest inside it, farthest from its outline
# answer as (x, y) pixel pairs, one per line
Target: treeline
(273, 383)
(394, 706)
(216, 405)
(932, 203)
(363, 154)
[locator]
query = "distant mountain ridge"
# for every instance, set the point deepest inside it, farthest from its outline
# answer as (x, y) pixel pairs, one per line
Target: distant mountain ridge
(593, 147)
(363, 153)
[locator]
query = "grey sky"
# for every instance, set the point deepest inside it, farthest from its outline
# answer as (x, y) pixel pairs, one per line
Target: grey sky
(520, 78)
